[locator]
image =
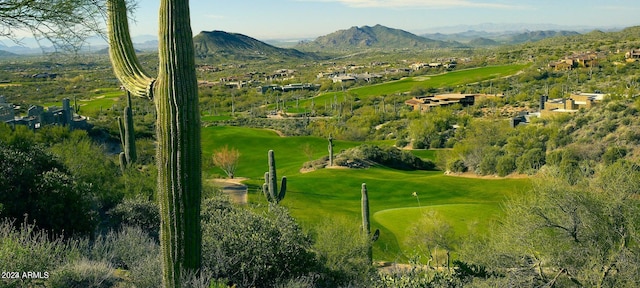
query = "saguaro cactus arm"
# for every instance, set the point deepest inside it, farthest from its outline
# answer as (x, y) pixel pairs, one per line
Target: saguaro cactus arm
(123, 56)
(270, 186)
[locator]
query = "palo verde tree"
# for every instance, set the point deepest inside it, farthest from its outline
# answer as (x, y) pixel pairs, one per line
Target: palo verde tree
(226, 159)
(175, 93)
(65, 23)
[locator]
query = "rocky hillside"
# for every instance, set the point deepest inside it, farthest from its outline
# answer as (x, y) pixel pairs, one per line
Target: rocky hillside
(372, 37)
(232, 46)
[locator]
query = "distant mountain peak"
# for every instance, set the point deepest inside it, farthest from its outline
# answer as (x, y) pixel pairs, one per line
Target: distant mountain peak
(377, 36)
(235, 46)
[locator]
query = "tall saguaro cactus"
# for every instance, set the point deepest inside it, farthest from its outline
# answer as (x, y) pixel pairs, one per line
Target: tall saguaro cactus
(366, 224)
(175, 93)
(270, 186)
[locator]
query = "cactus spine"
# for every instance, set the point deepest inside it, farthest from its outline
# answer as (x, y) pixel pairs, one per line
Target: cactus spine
(127, 136)
(175, 93)
(270, 186)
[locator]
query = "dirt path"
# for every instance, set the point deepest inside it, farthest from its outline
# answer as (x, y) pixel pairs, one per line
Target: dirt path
(234, 188)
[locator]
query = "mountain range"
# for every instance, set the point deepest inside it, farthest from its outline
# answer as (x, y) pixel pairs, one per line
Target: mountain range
(483, 38)
(377, 36)
(234, 46)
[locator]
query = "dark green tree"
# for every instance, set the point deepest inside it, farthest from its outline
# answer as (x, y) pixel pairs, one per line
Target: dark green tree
(36, 188)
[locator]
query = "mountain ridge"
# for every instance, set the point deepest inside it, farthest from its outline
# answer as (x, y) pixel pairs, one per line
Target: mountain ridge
(235, 46)
(377, 36)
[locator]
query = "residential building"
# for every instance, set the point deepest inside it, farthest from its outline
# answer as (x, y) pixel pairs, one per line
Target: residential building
(633, 55)
(426, 103)
(572, 104)
(585, 60)
(37, 117)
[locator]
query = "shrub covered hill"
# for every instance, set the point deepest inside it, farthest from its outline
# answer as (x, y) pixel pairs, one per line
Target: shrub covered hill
(232, 46)
(377, 36)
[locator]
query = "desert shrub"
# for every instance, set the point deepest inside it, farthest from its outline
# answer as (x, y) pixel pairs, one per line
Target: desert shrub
(83, 273)
(253, 249)
(316, 164)
(506, 165)
(25, 248)
(612, 154)
(147, 272)
(615, 106)
(137, 212)
(489, 161)
(417, 278)
(458, 166)
(530, 161)
(125, 248)
(367, 155)
(402, 142)
(342, 250)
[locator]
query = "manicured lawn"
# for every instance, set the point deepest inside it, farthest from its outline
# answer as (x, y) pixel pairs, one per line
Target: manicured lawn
(452, 79)
(463, 218)
(102, 99)
(213, 118)
(425, 154)
(315, 196)
(449, 79)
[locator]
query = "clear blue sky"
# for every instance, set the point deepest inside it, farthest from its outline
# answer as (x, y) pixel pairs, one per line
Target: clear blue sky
(278, 19)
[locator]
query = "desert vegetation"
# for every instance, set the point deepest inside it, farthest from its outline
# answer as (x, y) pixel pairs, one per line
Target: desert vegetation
(375, 194)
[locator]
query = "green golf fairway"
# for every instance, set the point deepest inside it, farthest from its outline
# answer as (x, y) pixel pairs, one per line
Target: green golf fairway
(335, 192)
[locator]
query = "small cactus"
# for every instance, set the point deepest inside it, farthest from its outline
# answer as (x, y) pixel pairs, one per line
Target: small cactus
(76, 107)
(270, 186)
(330, 150)
(127, 135)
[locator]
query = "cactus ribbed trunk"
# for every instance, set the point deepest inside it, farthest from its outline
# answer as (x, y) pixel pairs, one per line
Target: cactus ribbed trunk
(330, 151)
(179, 151)
(270, 186)
(175, 93)
(366, 224)
(273, 178)
(127, 134)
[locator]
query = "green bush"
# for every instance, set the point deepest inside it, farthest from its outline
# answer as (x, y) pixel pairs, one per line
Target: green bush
(366, 155)
(612, 154)
(506, 165)
(253, 249)
(343, 252)
(137, 212)
(530, 161)
(489, 161)
(36, 187)
(458, 166)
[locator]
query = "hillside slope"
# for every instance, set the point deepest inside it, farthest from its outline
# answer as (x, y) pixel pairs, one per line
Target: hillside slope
(232, 46)
(377, 36)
